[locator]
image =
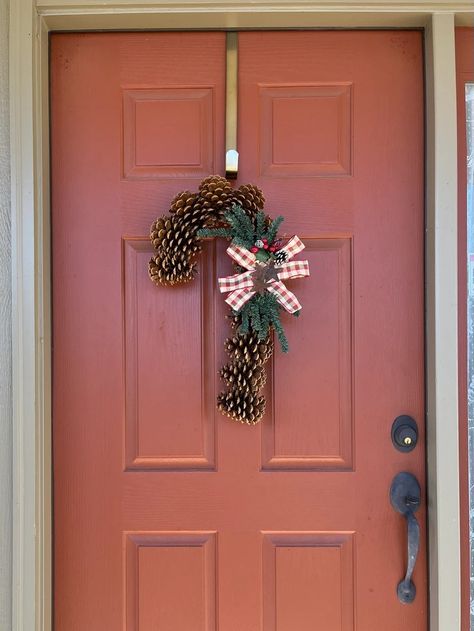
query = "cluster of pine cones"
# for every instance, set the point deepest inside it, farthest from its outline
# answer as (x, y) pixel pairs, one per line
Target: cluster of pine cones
(244, 375)
(174, 236)
(176, 243)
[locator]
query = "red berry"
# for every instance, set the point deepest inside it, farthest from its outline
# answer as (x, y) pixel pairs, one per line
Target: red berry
(254, 249)
(265, 240)
(265, 246)
(272, 248)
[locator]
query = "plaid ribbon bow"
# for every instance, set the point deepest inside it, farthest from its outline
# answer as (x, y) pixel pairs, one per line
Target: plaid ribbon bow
(264, 277)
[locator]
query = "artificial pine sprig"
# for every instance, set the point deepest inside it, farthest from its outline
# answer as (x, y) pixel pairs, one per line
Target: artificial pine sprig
(259, 225)
(272, 231)
(277, 325)
(260, 313)
(243, 230)
(214, 232)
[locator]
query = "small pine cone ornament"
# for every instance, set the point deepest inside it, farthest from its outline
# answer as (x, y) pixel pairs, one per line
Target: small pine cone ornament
(250, 198)
(246, 407)
(243, 376)
(281, 256)
(216, 196)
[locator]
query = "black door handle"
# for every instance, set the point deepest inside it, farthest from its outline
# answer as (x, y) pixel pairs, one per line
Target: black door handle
(405, 496)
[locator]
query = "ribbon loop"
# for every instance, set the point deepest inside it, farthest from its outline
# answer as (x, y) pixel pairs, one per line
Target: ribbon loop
(295, 269)
(237, 281)
(242, 257)
(293, 247)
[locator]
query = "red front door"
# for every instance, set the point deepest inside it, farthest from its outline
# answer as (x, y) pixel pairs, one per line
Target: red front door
(168, 516)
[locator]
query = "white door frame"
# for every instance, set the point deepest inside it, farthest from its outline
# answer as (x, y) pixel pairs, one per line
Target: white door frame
(30, 24)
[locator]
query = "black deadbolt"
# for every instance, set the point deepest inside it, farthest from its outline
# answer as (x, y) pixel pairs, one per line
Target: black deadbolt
(404, 433)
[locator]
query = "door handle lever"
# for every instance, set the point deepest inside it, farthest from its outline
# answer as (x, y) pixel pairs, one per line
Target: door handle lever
(405, 497)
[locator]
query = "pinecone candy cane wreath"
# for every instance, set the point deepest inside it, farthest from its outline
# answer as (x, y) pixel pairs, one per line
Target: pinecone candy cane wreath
(257, 294)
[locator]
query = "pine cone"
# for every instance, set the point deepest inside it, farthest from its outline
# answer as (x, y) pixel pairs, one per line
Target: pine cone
(171, 269)
(200, 215)
(174, 238)
(170, 234)
(281, 256)
(158, 230)
(245, 377)
(249, 348)
(182, 203)
(250, 198)
(234, 320)
(240, 406)
(216, 195)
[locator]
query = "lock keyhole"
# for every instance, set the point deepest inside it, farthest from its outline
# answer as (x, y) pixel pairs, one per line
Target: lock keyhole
(404, 433)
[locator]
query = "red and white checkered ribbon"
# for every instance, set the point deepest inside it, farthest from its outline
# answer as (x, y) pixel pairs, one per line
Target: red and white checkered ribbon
(241, 286)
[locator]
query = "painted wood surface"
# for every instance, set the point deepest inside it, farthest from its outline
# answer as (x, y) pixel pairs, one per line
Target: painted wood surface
(165, 513)
(87, 14)
(6, 430)
(464, 74)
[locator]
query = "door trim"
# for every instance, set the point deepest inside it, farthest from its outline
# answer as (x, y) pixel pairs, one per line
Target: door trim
(441, 326)
(30, 23)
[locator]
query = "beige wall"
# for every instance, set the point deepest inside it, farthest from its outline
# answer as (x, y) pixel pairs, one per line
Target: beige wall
(5, 335)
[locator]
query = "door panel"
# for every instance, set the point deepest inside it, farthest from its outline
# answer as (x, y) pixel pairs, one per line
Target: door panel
(163, 355)
(167, 515)
(319, 436)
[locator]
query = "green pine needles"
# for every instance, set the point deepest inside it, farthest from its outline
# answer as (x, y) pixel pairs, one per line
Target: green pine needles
(242, 230)
(262, 312)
